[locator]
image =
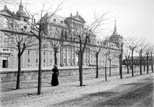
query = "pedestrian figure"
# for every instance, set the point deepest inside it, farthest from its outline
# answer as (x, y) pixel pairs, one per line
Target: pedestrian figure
(55, 74)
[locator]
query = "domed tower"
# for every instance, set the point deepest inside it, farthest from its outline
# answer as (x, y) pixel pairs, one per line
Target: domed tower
(21, 15)
(115, 37)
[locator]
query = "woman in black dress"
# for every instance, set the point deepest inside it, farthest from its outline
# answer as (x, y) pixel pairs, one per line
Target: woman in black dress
(54, 81)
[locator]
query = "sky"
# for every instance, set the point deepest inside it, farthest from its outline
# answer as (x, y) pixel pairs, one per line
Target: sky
(135, 18)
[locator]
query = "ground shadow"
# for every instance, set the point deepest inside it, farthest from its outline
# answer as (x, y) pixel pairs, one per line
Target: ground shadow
(88, 98)
(129, 98)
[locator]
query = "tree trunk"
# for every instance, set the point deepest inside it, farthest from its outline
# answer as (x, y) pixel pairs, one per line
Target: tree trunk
(127, 64)
(121, 55)
(106, 68)
(110, 68)
(55, 56)
(80, 68)
(144, 64)
(147, 64)
(120, 65)
(97, 65)
(19, 70)
(132, 64)
(61, 55)
(39, 72)
(140, 63)
(151, 62)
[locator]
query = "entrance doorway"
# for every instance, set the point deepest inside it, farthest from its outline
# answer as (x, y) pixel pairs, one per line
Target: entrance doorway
(5, 63)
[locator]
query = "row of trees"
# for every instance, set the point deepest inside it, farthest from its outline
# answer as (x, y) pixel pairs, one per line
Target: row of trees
(141, 49)
(30, 35)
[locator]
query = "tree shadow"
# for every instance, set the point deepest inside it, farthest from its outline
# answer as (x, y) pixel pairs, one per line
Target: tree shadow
(87, 98)
(129, 98)
(134, 84)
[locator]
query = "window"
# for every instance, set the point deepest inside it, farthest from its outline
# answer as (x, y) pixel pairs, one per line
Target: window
(0, 38)
(28, 60)
(36, 60)
(11, 24)
(65, 35)
(61, 22)
(5, 49)
(36, 52)
(25, 20)
(25, 27)
(5, 40)
(11, 41)
(28, 52)
(54, 20)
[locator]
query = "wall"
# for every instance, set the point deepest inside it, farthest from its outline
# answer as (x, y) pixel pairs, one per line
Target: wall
(11, 75)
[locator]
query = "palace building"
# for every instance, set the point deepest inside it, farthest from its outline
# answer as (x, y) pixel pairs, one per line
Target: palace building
(66, 52)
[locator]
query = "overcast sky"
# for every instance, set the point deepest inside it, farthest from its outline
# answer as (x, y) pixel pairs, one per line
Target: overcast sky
(135, 18)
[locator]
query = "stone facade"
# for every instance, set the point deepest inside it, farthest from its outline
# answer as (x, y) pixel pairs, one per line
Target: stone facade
(67, 52)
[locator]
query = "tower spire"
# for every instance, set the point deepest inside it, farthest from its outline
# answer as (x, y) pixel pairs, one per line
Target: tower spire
(20, 5)
(115, 27)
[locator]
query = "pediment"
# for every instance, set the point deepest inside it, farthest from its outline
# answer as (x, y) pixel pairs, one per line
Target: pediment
(6, 13)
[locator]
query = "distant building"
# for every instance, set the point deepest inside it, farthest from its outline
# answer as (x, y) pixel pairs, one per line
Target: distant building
(115, 37)
(67, 52)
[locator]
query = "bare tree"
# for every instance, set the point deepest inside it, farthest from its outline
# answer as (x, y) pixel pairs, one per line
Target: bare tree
(19, 41)
(141, 47)
(120, 59)
(132, 45)
(127, 58)
(97, 50)
(151, 52)
(83, 36)
(111, 57)
(39, 30)
(14, 2)
(56, 33)
(149, 58)
(107, 53)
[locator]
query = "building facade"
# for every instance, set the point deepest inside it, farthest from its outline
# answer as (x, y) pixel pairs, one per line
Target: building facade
(59, 28)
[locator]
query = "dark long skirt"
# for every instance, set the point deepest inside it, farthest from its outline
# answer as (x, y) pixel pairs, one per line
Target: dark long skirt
(54, 81)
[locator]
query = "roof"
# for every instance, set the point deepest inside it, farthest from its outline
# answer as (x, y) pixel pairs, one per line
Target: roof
(77, 17)
(21, 12)
(6, 12)
(57, 20)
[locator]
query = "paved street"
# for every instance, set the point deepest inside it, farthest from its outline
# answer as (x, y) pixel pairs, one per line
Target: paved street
(126, 92)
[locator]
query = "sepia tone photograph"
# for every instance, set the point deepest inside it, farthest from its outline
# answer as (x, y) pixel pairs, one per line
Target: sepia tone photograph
(76, 53)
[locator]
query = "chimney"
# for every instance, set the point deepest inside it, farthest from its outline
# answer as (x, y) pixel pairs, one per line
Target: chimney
(77, 13)
(70, 14)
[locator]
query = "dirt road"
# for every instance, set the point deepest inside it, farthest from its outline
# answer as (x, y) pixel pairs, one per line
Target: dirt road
(126, 92)
(135, 94)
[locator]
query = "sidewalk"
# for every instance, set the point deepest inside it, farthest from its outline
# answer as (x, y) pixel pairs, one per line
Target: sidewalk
(65, 91)
(8, 86)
